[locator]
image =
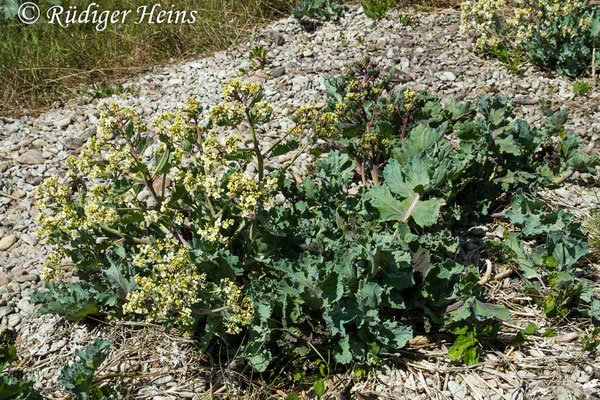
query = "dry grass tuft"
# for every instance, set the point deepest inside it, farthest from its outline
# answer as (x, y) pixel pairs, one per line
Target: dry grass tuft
(43, 63)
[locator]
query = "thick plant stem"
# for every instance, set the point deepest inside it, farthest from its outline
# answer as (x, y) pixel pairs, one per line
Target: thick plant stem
(404, 128)
(360, 166)
(411, 207)
(375, 175)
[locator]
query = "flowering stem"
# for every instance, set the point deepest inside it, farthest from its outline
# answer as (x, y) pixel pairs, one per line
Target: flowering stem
(293, 160)
(215, 311)
(237, 232)
(145, 177)
(210, 204)
(220, 214)
(207, 197)
(360, 165)
(164, 182)
(124, 236)
(164, 229)
(404, 128)
(259, 157)
(289, 132)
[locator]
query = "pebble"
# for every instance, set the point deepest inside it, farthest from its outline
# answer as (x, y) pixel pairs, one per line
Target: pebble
(7, 241)
(31, 240)
(277, 72)
(163, 379)
(13, 320)
(31, 157)
(26, 307)
(457, 390)
(63, 123)
(448, 76)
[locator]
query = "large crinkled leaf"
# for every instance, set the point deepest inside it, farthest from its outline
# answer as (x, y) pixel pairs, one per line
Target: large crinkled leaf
(118, 278)
(341, 314)
(459, 111)
(421, 138)
(567, 251)
(407, 180)
(369, 295)
(402, 334)
(526, 265)
(507, 144)
(389, 208)
(260, 360)
(467, 130)
(572, 156)
(338, 166)
(424, 213)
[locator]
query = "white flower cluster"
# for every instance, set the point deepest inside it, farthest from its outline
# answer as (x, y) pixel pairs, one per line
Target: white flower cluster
(239, 310)
(212, 232)
(168, 284)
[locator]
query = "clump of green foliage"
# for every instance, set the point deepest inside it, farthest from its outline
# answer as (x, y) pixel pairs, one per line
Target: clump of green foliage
(102, 90)
(406, 20)
(12, 383)
(78, 377)
(376, 9)
(202, 234)
(259, 56)
(581, 88)
(554, 34)
(309, 11)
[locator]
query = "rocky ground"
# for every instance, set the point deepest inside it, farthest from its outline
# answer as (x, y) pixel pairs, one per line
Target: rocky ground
(431, 56)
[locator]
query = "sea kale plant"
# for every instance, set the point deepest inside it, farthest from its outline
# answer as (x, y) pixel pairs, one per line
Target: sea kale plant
(13, 385)
(376, 9)
(311, 12)
(188, 222)
(77, 376)
(368, 119)
(555, 34)
(150, 226)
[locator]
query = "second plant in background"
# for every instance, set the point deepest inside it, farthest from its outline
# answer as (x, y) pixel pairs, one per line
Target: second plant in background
(554, 34)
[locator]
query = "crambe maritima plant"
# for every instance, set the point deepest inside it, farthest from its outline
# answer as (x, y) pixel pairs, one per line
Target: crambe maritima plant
(145, 218)
(555, 34)
(178, 223)
(366, 118)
